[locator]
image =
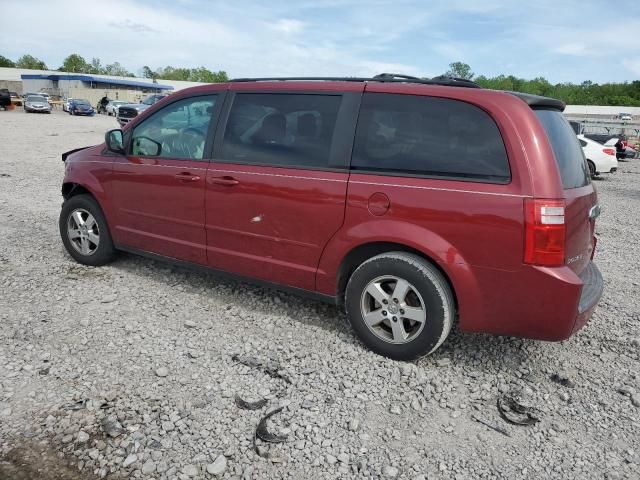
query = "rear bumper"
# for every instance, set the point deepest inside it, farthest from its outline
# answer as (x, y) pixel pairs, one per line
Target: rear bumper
(536, 302)
(592, 288)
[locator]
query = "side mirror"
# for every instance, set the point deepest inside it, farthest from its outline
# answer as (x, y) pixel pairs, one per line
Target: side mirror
(114, 141)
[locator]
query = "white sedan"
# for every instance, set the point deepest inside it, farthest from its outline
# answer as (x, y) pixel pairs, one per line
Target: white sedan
(65, 105)
(600, 158)
(112, 107)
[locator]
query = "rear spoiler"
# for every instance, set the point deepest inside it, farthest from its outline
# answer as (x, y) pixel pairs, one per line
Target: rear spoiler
(66, 154)
(537, 101)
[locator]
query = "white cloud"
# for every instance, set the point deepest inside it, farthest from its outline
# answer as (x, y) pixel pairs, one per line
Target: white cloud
(288, 26)
(574, 48)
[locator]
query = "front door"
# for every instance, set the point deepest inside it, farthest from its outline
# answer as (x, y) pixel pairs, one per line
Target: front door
(158, 188)
(276, 189)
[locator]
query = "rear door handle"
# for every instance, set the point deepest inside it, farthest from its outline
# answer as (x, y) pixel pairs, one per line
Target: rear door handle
(187, 177)
(227, 181)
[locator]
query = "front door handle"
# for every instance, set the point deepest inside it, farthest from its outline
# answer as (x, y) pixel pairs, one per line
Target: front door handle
(187, 177)
(226, 180)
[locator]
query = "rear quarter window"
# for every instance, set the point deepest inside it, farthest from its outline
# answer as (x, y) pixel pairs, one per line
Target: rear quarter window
(428, 136)
(567, 150)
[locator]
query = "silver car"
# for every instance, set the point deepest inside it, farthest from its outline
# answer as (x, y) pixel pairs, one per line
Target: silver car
(36, 103)
(112, 107)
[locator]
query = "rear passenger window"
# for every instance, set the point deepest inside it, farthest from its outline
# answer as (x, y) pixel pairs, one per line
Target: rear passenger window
(572, 164)
(428, 136)
(281, 129)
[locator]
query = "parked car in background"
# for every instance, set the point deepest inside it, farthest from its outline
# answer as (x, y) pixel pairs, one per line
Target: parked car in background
(16, 99)
(79, 106)
(600, 158)
(112, 107)
(5, 99)
(39, 94)
(65, 105)
(129, 111)
(411, 203)
(611, 140)
(625, 116)
(629, 152)
(36, 103)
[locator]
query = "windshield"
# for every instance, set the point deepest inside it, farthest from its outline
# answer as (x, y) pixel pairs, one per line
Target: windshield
(566, 149)
(35, 98)
(81, 102)
(149, 100)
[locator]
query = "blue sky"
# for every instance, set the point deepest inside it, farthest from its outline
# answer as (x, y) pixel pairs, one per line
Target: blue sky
(560, 40)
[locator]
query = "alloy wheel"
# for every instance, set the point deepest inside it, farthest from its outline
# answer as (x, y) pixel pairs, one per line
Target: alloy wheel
(393, 309)
(83, 231)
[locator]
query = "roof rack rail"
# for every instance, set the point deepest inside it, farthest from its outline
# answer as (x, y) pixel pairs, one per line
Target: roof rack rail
(382, 77)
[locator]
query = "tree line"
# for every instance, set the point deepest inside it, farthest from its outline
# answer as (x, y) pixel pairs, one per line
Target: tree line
(77, 64)
(585, 93)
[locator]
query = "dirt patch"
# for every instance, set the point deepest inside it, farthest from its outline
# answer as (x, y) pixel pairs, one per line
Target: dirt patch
(31, 462)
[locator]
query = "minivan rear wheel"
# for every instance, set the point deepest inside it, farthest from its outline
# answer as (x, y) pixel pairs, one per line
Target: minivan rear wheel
(84, 231)
(400, 305)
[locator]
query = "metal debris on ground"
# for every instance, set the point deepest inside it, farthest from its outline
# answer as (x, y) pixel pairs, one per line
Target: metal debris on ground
(265, 435)
(269, 366)
(79, 405)
(515, 413)
(492, 427)
(111, 426)
(562, 379)
(246, 405)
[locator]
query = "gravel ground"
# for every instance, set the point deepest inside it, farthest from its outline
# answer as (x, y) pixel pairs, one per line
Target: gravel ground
(129, 370)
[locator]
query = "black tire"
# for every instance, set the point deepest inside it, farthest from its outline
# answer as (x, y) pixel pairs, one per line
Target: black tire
(592, 168)
(429, 283)
(105, 251)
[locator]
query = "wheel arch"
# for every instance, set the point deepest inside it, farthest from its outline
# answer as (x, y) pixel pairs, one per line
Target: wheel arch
(72, 189)
(361, 253)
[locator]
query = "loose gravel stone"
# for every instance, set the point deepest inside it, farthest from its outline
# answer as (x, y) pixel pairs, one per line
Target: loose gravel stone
(190, 471)
(218, 467)
(162, 371)
(389, 472)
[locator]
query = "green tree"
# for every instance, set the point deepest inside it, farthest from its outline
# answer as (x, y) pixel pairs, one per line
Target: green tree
(5, 62)
(207, 76)
(460, 70)
(148, 73)
(31, 62)
(117, 70)
(96, 66)
(75, 63)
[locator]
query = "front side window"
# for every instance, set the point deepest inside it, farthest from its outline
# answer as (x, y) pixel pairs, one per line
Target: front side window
(177, 131)
(281, 129)
(428, 136)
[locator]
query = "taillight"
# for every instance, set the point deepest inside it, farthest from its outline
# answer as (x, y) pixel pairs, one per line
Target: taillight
(544, 232)
(609, 151)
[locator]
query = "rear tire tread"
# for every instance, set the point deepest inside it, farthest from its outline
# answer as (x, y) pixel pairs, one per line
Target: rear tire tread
(432, 275)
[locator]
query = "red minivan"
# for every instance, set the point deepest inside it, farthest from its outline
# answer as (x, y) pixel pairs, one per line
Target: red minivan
(411, 203)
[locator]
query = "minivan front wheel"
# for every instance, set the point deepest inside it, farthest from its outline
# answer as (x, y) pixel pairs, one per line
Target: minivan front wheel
(400, 305)
(84, 231)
